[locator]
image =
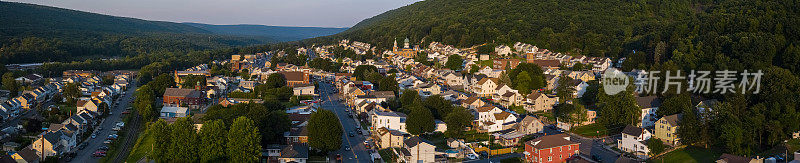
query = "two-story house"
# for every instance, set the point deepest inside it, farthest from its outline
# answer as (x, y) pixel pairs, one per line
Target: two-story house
(633, 141)
(667, 129)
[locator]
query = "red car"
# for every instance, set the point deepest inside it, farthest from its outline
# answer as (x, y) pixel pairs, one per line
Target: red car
(99, 153)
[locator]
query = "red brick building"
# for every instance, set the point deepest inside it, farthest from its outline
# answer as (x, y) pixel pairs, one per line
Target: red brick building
(183, 97)
(551, 148)
(294, 78)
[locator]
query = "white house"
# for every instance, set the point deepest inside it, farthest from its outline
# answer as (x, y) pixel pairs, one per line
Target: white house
(389, 120)
(633, 141)
(649, 105)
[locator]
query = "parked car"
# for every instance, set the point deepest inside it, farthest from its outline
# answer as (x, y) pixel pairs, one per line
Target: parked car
(346, 147)
(94, 135)
(351, 134)
(107, 142)
(103, 148)
(82, 145)
(99, 153)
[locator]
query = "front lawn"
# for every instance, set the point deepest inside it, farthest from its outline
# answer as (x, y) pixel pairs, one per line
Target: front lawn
(689, 154)
(591, 130)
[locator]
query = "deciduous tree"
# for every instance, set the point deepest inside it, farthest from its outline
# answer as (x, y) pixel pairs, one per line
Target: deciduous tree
(243, 141)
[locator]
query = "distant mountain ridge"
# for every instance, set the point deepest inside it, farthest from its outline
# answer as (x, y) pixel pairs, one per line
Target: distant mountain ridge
(26, 19)
(35, 33)
(280, 33)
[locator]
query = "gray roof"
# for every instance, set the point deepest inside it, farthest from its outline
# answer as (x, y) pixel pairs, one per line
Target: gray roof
(394, 114)
(648, 101)
(633, 130)
(295, 151)
(414, 141)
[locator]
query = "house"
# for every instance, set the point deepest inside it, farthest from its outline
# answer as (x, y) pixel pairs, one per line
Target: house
(84, 105)
(505, 64)
(304, 89)
(486, 87)
(539, 102)
(295, 78)
(633, 141)
(389, 120)
(492, 119)
(249, 84)
(180, 75)
(667, 129)
(389, 138)
(294, 153)
(502, 50)
(649, 105)
(528, 125)
(183, 97)
(550, 148)
(579, 86)
(472, 103)
(417, 149)
(174, 112)
(28, 79)
(546, 64)
(298, 134)
(729, 158)
(26, 155)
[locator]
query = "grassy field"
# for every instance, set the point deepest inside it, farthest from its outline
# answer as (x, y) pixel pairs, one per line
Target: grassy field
(688, 155)
(142, 147)
(591, 130)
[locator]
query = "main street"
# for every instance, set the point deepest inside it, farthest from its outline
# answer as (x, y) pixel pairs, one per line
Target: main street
(358, 152)
(85, 155)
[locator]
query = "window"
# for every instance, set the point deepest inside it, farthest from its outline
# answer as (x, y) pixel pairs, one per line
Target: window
(570, 147)
(549, 158)
(560, 149)
(560, 157)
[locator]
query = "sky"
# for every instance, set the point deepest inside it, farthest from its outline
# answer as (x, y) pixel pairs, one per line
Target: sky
(307, 13)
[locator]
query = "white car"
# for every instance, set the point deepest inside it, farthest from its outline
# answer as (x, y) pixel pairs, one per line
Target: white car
(94, 135)
(472, 156)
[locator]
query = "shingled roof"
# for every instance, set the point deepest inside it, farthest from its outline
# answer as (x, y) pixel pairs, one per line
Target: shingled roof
(550, 141)
(178, 92)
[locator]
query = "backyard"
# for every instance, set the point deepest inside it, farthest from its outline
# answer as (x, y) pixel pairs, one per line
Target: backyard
(590, 130)
(689, 154)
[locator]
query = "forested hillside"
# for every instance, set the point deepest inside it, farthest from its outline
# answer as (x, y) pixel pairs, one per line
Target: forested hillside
(34, 33)
(280, 33)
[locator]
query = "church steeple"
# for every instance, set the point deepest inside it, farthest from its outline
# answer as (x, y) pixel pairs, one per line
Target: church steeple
(394, 48)
(406, 45)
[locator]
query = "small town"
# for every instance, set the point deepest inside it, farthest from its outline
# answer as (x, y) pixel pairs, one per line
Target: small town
(413, 103)
(400, 81)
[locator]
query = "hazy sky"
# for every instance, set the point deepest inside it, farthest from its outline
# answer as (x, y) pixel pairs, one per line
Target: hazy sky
(317, 13)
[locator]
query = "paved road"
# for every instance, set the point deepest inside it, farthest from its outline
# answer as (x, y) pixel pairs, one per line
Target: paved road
(358, 152)
(593, 148)
(85, 155)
